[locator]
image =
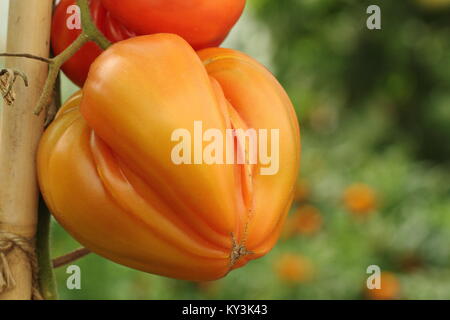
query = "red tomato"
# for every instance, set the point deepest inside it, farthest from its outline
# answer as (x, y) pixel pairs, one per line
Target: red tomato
(203, 23)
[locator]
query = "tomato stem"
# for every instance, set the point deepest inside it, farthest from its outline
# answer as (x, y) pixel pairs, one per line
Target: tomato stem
(89, 32)
(47, 280)
(70, 257)
(89, 27)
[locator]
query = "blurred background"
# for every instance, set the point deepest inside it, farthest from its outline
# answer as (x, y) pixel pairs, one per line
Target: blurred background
(374, 189)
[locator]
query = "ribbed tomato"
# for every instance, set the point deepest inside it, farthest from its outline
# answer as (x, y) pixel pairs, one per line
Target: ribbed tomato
(107, 170)
(203, 23)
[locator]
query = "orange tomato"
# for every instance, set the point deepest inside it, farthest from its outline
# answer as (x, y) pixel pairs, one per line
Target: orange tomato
(434, 4)
(302, 191)
(209, 288)
(294, 268)
(360, 199)
(306, 220)
(106, 172)
(390, 288)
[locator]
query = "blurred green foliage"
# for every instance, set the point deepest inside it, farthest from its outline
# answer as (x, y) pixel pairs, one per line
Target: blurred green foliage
(374, 107)
(324, 53)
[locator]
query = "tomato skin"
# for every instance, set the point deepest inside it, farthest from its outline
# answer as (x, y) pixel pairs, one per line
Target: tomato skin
(105, 168)
(202, 23)
(208, 25)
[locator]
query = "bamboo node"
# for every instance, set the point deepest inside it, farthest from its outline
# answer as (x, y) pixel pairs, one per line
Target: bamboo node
(8, 241)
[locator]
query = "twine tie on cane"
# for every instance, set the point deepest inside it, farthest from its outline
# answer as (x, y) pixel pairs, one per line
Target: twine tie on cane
(7, 79)
(9, 241)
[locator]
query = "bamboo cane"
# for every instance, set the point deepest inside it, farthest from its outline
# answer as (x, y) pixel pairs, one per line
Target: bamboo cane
(28, 31)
